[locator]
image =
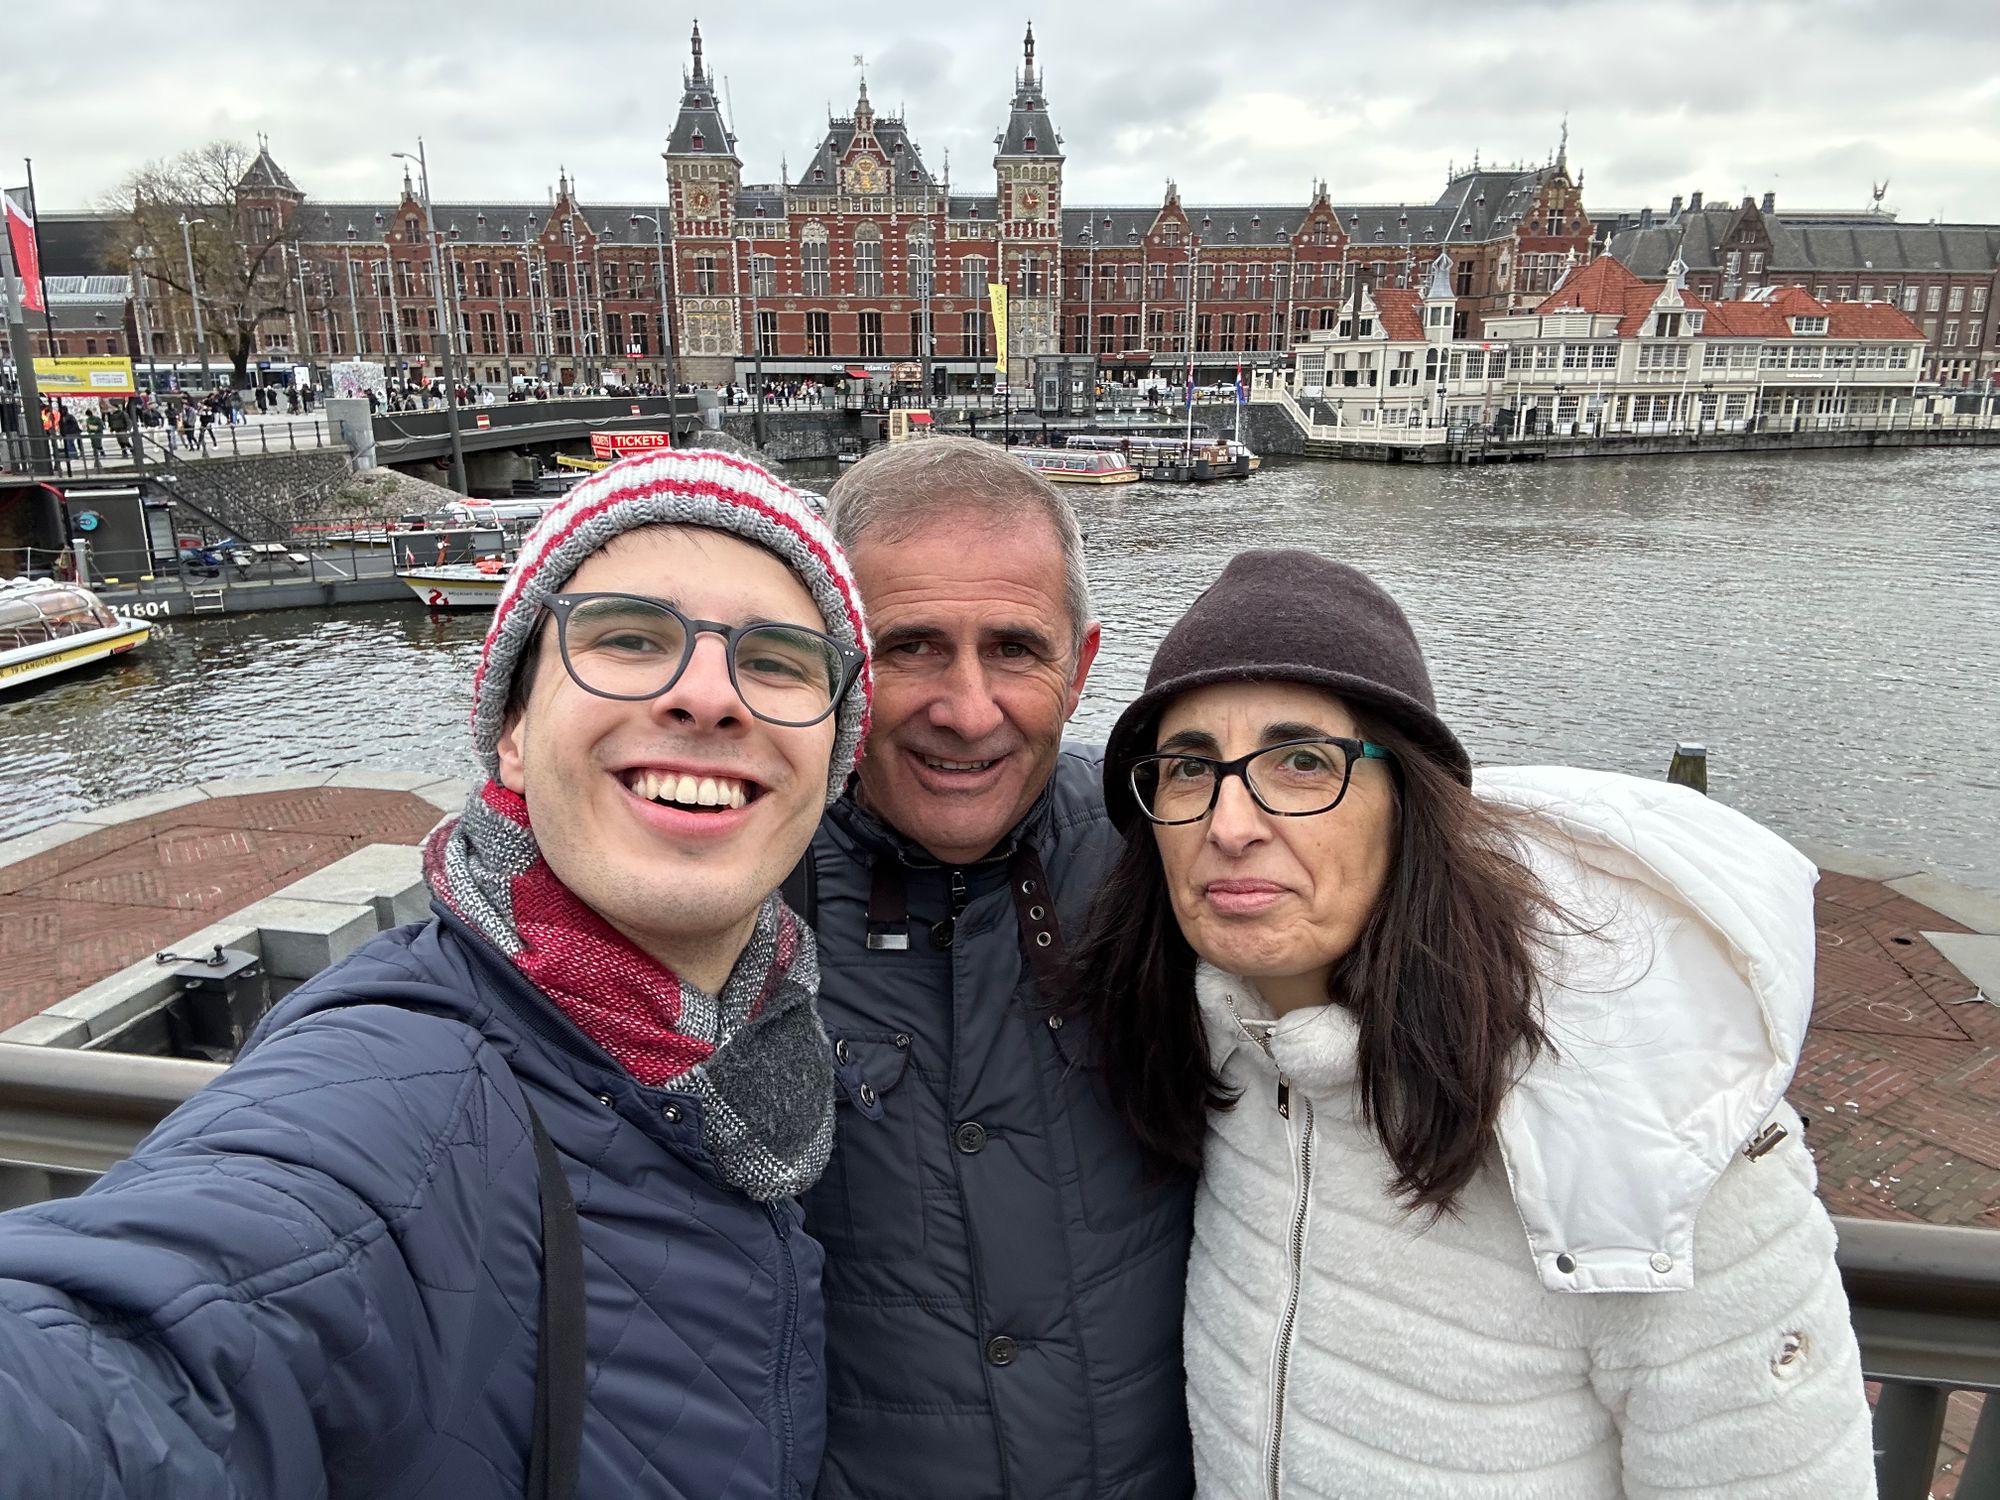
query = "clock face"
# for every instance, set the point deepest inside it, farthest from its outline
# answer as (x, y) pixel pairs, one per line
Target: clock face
(1031, 200)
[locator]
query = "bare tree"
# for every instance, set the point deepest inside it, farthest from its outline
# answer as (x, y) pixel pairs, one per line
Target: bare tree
(240, 258)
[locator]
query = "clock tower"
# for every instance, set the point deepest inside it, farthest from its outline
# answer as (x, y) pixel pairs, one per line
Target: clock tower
(1028, 166)
(704, 175)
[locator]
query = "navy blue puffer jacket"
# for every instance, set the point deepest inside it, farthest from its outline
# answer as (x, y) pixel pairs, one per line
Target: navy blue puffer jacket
(319, 1277)
(1004, 1280)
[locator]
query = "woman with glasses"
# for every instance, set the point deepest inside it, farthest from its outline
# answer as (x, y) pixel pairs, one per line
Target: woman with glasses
(1499, 1196)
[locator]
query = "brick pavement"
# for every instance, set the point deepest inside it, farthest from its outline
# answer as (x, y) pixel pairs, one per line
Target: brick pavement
(85, 909)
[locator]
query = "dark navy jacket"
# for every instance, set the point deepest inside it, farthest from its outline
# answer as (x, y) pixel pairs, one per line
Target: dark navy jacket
(319, 1277)
(1003, 1285)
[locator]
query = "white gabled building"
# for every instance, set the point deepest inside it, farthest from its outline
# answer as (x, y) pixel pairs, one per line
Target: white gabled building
(1604, 354)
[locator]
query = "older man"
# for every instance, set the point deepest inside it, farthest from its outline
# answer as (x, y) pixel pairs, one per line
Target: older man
(1003, 1279)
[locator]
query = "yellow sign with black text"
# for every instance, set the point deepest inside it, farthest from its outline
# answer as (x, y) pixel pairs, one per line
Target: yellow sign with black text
(85, 375)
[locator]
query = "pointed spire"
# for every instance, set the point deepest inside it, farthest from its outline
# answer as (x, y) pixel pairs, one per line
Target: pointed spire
(695, 44)
(1028, 57)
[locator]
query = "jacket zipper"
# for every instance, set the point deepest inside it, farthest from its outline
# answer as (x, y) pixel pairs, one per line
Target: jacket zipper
(790, 1336)
(1295, 1253)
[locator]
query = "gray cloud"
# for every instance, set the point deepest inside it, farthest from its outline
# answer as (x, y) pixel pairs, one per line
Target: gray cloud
(1239, 102)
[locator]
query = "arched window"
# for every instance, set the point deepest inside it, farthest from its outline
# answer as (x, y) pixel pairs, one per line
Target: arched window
(867, 261)
(813, 260)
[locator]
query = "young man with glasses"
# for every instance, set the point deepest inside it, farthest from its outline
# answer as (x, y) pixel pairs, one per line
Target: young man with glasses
(502, 1203)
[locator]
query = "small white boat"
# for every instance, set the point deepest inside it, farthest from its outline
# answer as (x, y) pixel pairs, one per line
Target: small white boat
(457, 585)
(48, 627)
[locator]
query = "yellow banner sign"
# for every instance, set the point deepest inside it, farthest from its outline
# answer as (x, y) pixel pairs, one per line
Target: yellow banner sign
(85, 375)
(996, 295)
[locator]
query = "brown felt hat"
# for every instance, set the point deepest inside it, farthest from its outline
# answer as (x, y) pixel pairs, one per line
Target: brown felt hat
(1288, 616)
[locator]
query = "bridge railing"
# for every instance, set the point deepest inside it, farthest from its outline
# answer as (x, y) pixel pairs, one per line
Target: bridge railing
(146, 450)
(1926, 1297)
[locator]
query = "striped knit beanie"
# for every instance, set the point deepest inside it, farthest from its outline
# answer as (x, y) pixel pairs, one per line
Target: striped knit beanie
(700, 487)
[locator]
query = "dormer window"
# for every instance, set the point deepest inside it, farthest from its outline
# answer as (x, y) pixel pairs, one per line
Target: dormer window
(1027, 143)
(696, 141)
(819, 174)
(1808, 325)
(378, 218)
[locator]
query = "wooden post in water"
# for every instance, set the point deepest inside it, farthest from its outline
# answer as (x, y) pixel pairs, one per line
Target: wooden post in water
(1689, 767)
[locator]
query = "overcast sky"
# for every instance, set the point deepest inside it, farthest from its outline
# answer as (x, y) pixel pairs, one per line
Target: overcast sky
(1240, 100)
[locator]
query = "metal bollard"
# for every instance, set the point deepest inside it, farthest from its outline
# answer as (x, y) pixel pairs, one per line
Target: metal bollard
(1689, 767)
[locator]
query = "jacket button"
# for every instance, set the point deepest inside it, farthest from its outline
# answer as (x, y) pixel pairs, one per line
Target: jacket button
(970, 1137)
(841, 1051)
(868, 1095)
(1000, 1350)
(1661, 1262)
(670, 1112)
(605, 1100)
(1565, 1263)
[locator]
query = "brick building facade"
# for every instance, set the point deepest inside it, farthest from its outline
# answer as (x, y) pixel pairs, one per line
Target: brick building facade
(867, 257)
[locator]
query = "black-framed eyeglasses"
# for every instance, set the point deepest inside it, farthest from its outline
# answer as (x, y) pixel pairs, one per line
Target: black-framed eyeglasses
(629, 647)
(1293, 779)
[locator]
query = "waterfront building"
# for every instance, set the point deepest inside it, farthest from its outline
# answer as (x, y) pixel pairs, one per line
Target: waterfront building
(1606, 352)
(1944, 276)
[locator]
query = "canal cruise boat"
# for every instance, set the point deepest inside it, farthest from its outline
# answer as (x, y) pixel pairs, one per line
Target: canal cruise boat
(1078, 465)
(1176, 460)
(48, 627)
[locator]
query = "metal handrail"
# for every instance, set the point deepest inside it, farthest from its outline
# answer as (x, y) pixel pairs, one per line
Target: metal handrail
(1925, 1297)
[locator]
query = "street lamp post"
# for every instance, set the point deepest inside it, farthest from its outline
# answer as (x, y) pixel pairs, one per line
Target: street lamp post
(437, 293)
(757, 354)
(194, 296)
(659, 223)
(1090, 312)
(142, 256)
(925, 277)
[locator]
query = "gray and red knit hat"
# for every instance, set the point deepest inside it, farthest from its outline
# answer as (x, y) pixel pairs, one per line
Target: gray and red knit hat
(702, 487)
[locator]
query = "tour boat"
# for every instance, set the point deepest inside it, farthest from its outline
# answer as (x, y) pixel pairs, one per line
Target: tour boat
(474, 585)
(1178, 459)
(48, 627)
(1077, 465)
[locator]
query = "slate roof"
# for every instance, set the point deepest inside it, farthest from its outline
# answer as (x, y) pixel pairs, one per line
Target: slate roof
(701, 113)
(1811, 243)
(1473, 208)
(908, 175)
(78, 244)
(264, 175)
(476, 223)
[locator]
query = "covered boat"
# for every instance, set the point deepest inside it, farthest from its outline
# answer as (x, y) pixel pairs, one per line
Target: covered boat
(48, 627)
(1077, 465)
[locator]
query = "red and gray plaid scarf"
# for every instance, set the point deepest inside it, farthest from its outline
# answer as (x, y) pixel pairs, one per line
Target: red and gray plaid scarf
(754, 1056)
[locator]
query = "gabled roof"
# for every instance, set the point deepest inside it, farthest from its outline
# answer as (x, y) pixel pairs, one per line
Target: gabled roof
(1609, 287)
(1811, 243)
(264, 175)
(908, 176)
(1401, 313)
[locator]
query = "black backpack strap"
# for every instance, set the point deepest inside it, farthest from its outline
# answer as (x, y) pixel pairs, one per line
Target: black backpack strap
(801, 889)
(555, 1457)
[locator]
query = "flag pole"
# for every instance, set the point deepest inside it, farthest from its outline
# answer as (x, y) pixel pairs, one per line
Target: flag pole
(40, 458)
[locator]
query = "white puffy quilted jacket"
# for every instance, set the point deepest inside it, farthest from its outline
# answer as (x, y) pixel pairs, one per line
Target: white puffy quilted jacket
(1624, 1302)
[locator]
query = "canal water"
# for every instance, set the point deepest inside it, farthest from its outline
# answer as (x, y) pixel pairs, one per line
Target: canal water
(1829, 626)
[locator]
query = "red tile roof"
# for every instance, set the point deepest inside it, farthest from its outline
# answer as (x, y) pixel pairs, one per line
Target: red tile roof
(1606, 286)
(1402, 314)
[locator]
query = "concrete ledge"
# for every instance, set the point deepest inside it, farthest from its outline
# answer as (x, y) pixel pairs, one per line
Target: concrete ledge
(47, 1031)
(1976, 955)
(382, 779)
(302, 937)
(1979, 910)
(41, 840)
(447, 796)
(139, 807)
(387, 877)
(139, 987)
(1855, 862)
(252, 786)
